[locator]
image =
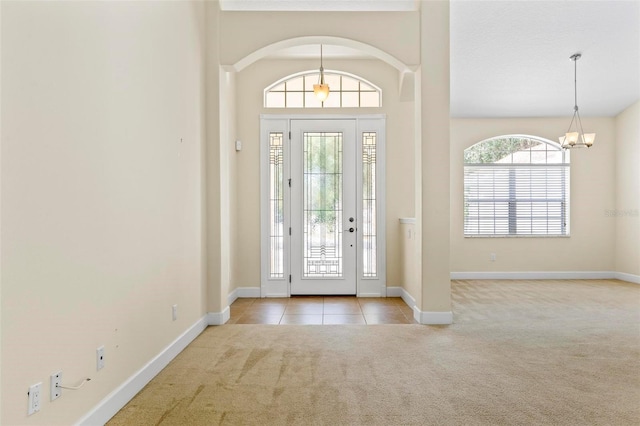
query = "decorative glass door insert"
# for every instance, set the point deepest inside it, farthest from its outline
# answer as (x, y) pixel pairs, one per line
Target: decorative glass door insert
(322, 210)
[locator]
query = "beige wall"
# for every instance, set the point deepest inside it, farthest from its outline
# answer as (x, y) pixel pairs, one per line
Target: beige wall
(591, 244)
(250, 85)
(625, 213)
(101, 210)
(396, 33)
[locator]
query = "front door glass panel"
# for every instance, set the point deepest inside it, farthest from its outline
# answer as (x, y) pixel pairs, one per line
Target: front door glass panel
(322, 211)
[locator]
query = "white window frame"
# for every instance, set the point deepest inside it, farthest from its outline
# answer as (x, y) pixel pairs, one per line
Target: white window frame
(334, 92)
(513, 200)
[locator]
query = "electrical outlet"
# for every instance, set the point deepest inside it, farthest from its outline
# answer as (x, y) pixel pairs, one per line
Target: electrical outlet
(56, 382)
(34, 394)
(100, 358)
(174, 312)
(492, 257)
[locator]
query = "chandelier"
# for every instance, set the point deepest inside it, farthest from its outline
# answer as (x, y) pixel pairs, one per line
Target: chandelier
(577, 138)
(321, 89)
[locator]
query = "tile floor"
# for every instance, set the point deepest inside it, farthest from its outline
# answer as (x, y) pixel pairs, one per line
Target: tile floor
(321, 310)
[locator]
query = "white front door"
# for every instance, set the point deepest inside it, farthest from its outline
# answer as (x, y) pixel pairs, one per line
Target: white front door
(323, 207)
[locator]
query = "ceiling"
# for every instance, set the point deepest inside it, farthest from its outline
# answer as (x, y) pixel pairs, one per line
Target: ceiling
(511, 58)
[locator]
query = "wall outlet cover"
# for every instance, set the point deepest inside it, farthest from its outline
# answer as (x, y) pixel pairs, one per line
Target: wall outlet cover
(100, 358)
(35, 393)
(56, 382)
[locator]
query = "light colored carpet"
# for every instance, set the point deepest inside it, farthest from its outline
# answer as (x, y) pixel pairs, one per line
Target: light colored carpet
(519, 353)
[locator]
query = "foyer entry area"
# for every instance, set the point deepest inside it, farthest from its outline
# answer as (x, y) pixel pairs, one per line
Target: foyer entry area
(321, 310)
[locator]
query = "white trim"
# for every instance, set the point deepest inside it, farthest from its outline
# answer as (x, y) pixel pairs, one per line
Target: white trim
(394, 291)
(432, 318)
(542, 275)
(117, 399)
(627, 277)
(219, 318)
(248, 292)
(243, 292)
(370, 295)
(275, 288)
(408, 299)
(231, 297)
(421, 317)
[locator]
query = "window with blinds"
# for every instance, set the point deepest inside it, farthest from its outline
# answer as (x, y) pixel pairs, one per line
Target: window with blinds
(516, 186)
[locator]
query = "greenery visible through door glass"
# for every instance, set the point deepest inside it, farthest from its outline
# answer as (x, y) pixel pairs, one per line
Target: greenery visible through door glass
(323, 177)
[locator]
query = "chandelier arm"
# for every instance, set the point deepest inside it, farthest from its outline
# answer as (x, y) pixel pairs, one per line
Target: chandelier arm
(572, 120)
(579, 122)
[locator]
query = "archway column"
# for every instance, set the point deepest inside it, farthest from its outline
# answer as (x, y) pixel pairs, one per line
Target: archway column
(433, 306)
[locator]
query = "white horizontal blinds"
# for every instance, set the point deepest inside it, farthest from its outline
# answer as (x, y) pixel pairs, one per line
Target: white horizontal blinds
(524, 192)
(346, 91)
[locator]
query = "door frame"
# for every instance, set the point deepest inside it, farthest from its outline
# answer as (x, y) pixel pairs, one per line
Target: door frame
(280, 286)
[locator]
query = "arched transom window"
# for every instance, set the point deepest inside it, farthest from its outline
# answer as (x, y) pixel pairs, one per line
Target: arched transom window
(346, 91)
(516, 186)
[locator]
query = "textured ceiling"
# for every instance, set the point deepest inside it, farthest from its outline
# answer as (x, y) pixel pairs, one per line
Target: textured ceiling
(511, 58)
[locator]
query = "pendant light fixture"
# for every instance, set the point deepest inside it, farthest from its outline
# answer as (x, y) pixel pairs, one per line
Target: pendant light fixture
(577, 138)
(321, 89)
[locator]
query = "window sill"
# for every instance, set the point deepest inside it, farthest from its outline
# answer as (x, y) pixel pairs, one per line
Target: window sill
(517, 236)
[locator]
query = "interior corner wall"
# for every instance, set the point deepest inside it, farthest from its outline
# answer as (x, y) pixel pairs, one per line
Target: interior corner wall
(101, 194)
(591, 244)
(625, 213)
(399, 148)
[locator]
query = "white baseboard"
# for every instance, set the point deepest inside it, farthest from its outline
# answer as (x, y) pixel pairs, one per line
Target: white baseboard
(370, 295)
(432, 318)
(627, 277)
(241, 292)
(232, 297)
(219, 318)
(427, 318)
(408, 299)
(394, 291)
(117, 399)
(543, 275)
